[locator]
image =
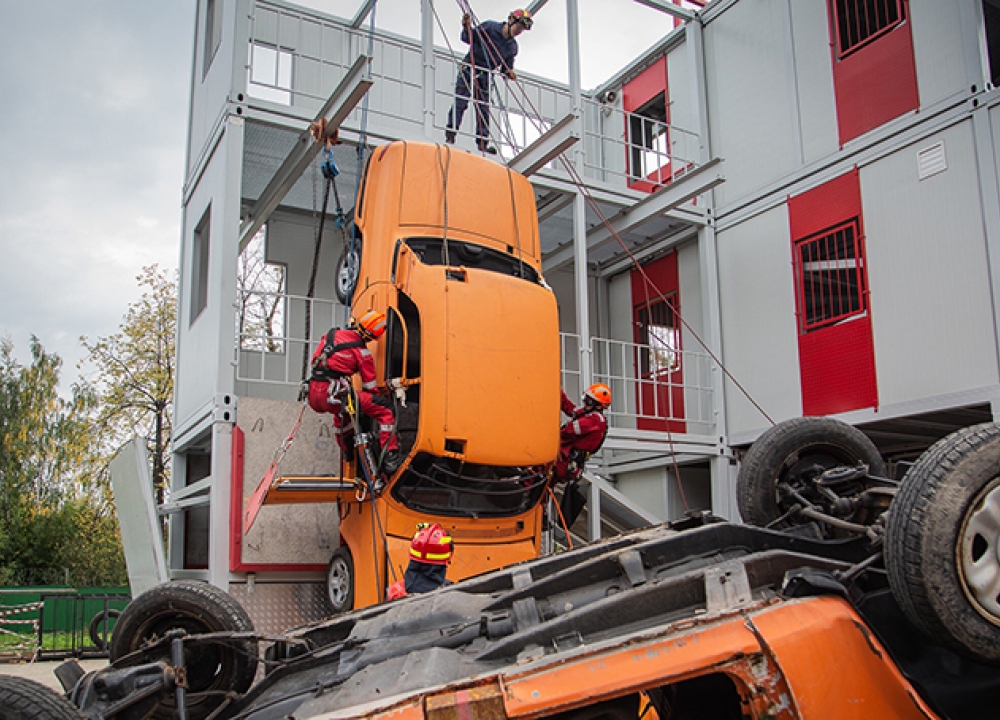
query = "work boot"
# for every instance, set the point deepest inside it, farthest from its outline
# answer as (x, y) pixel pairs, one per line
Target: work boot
(390, 462)
(449, 137)
(484, 146)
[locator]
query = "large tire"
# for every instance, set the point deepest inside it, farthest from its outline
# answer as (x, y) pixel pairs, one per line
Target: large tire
(942, 543)
(24, 699)
(795, 447)
(340, 581)
(198, 608)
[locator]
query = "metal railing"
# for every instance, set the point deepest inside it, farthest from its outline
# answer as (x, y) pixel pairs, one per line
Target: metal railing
(679, 388)
(680, 391)
(296, 57)
(274, 355)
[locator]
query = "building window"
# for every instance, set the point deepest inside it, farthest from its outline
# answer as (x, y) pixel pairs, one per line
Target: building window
(991, 16)
(260, 287)
(271, 73)
(213, 32)
(199, 265)
(830, 274)
(859, 22)
(649, 141)
(660, 337)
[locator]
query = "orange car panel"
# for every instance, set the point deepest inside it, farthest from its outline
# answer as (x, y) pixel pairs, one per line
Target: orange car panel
(805, 636)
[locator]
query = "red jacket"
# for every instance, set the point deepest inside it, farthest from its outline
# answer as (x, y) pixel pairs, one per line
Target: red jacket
(585, 431)
(351, 360)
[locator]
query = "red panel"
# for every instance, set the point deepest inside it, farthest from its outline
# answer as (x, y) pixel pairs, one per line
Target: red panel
(663, 274)
(236, 563)
(837, 368)
(876, 83)
(635, 93)
(836, 363)
(650, 82)
(823, 207)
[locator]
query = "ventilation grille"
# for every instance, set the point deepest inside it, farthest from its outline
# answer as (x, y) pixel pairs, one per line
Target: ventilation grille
(931, 161)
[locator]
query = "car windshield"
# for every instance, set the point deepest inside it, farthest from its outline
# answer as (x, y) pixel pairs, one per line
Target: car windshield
(431, 251)
(447, 486)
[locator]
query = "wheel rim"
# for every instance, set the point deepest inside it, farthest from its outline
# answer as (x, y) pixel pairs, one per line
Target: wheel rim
(339, 583)
(979, 553)
(347, 273)
(204, 663)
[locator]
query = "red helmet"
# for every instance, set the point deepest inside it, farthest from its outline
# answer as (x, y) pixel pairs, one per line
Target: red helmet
(371, 325)
(599, 393)
(521, 16)
(432, 545)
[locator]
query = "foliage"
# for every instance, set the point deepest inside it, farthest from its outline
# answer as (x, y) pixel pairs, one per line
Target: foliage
(53, 509)
(260, 322)
(135, 382)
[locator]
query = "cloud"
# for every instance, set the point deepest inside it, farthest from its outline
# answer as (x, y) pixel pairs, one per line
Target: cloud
(92, 145)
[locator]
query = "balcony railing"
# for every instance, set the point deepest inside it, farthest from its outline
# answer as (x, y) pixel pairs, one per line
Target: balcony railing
(679, 389)
(296, 57)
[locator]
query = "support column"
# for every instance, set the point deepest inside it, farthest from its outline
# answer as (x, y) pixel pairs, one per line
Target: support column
(579, 202)
(723, 481)
(427, 50)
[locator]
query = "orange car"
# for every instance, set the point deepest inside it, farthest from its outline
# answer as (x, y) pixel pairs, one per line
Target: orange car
(451, 254)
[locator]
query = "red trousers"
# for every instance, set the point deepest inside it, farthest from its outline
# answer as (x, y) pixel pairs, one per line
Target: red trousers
(374, 406)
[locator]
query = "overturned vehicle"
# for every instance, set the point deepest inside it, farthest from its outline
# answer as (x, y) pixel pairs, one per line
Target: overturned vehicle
(865, 597)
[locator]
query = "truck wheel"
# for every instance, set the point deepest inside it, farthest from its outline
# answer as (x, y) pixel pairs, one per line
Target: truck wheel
(943, 543)
(24, 699)
(340, 581)
(196, 607)
(348, 267)
(791, 456)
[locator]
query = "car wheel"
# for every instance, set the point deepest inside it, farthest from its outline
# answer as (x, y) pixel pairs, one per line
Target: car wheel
(102, 626)
(340, 581)
(197, 608)
(24, 699)
(348, 267)
(816, 458)
(943, 543)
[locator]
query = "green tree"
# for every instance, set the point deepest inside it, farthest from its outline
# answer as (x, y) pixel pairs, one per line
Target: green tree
(48, 488)
(135, 373)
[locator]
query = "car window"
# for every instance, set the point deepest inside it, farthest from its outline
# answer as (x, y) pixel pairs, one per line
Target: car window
(431, 251)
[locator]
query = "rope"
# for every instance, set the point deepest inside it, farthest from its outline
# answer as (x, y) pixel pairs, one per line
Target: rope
(311, 291)
(562, 520)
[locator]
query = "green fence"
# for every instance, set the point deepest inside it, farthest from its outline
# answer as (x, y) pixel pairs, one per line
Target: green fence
(59, 621)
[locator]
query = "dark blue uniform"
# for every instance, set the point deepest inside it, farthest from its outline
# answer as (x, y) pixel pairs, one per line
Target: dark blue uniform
(489, 50)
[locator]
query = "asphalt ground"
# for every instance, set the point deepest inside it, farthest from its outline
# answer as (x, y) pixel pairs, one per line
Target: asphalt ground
(42, 671)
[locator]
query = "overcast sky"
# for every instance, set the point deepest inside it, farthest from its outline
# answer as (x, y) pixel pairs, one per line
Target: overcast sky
(93, 122)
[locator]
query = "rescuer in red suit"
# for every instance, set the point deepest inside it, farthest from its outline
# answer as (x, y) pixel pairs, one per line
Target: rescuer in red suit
(343, 353)
(430, 552)
(582, 435)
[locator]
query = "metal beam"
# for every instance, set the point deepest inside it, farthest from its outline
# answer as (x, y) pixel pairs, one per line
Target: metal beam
(557, 139)
(535, 6)
(552, 203)
(341, 103)
(670, 9)
(692, 184)
(363, 12)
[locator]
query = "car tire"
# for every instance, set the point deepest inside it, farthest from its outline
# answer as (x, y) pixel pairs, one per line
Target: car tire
(340, 581)
(197, 608)
(104, 619)
(788, 447)
(348, 268)
(942, 539)
(24, 699)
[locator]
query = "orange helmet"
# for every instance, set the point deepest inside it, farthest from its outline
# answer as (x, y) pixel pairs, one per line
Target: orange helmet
(521, 16)
(371, 324)
(431, 544)
(599, 393)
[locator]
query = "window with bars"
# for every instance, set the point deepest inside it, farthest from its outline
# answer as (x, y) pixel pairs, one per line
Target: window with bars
(649, 140)
(830, 274)
(860, 22)
(660, 336)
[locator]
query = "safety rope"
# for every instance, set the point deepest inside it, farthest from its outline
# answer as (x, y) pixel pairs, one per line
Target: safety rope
(562, 519)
